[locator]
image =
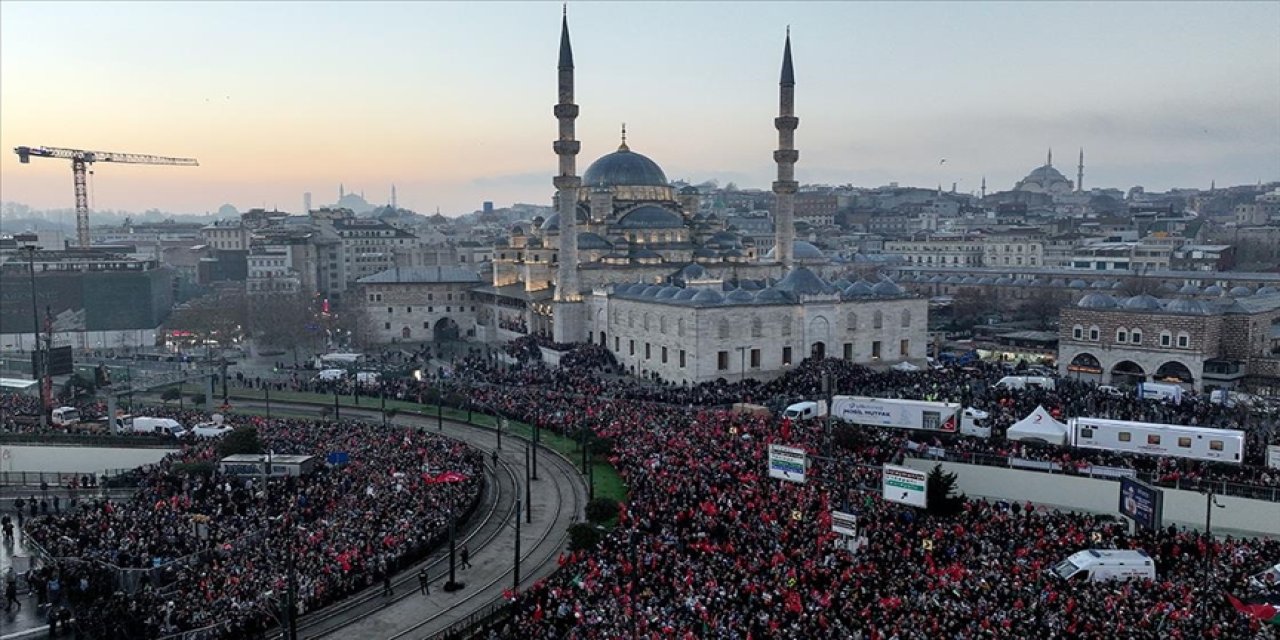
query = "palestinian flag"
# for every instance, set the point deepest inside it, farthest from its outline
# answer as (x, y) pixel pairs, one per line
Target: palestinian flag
(1262, 608)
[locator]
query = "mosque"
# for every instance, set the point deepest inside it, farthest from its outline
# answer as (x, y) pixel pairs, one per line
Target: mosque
(630, 263)
(1048, 180)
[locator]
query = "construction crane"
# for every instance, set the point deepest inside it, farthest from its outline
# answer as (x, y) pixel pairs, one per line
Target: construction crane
(80, 160)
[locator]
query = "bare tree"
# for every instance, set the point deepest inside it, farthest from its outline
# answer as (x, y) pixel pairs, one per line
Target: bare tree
(218, 316)
(286, 321)
(1044, 305)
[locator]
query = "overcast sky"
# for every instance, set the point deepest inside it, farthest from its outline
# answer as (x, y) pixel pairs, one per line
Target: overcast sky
(452, 102)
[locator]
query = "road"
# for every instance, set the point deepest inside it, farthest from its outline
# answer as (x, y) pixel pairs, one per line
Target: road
(558, 497)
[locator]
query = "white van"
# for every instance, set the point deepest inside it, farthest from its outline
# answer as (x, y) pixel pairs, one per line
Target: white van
(158, 426)
(806, 410)
(1098, 565)
(1162, 391)
(210, 430)
(331, 375)
(65, 416)
(1027, 382)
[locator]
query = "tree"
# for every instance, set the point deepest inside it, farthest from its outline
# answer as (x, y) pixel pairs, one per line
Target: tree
(240, 440)
(602, 510)
(1044, 305)
(968, 306)
(1139, 285)
(218, 316)
(282, 321)
(583, 536)
(170, 394)
(941, 493)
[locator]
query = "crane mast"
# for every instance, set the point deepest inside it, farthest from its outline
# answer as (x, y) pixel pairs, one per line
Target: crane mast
(80, 161)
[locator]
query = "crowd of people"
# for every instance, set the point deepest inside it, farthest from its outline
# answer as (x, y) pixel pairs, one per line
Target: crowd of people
(708, 545)
(196, 548)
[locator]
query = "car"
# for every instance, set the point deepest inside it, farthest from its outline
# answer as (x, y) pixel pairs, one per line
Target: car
(1110, 390)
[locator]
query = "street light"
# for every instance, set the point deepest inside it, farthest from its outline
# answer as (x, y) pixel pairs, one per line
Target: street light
(1211, 501)
(39, 366)
(742, 351)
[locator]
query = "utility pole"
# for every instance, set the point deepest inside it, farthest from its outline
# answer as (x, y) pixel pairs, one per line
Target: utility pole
(498, 423)
(591, 478)
(536, 430)
(528, 486)
(440, 411)
(382, 388)
(335, 402)
(266, 391)
(292, 614)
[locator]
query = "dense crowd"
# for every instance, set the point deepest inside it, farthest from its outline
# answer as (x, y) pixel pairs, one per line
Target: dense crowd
(209, 549)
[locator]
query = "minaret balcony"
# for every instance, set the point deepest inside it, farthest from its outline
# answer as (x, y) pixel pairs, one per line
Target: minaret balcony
(566, 147)
(786, 123)
(786, 155)
(566, 111)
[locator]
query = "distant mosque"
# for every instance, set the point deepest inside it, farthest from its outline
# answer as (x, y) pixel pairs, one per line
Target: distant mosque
(1046, 179)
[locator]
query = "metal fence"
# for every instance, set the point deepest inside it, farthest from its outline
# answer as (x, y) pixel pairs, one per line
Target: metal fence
(1223, 488)
(61, 480)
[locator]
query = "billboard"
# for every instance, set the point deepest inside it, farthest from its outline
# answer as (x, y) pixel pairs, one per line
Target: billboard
(1273, 456)
(845, 524)
(905, 486)
(1141, 503)
(787, 463)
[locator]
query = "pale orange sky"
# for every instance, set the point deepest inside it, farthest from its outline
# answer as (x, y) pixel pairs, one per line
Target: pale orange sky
(452, 101)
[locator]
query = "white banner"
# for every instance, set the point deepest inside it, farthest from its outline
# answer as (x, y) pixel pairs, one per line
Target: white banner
(1273, 456)
(905, 486)
(787, 463)
(845, 524)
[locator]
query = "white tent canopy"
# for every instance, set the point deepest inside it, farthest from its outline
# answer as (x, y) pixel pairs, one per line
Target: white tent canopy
(905, 366)
(1039, 426)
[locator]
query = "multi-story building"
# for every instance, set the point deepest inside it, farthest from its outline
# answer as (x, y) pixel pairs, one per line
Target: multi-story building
(1202, 344)
(938, 249)
(370, 246)
(419, 303)
(817, 208)
(1138, 257)
(226, 235)
(271, 272)
(1203, 257)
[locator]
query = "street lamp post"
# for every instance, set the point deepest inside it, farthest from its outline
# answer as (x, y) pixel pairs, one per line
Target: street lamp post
(1211, 501)
(742, 351)
(516, 580)
(382, 388)
(536, 433)
(266, 392)
(38, 364)
(528, 486)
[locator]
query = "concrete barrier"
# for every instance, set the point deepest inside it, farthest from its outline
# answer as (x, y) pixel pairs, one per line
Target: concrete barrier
(1183, 508)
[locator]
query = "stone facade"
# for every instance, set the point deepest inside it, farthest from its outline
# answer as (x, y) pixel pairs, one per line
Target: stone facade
(419, 303)
(1219, 344)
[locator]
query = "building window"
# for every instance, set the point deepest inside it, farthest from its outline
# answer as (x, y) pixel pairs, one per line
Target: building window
(648, 351)
(904, 348)
(1166, 339)
(664, 355)
(386, 325)
(632, 346)
(906, 317)
(757, 328)
(1184, 341)
(1125, 436)
(1077, 332)
(617, 344)
(877, 320)
(1135, 337)
(848, 351)
(786, 356)
(408, 309)
(724, 329)
(682, 358)
(1122, 335)
(875, 350)
(786, 326)
(426, 325)
(755, 358)
(1094, 334)
(852, 324)
(388, 309)
(722, 360)
(680, 328)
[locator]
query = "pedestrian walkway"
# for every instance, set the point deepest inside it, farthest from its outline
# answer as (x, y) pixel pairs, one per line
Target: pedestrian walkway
(25, 621)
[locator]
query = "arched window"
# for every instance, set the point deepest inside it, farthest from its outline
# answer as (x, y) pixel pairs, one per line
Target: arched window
(906, 317)
(662, 324)
(1122, 335)
(1135, 336)
(1166, 339)
(786, 326)
(1094, 333)
(680, 327)
(631, 319)
(877, 320)
(757, 327)
(724, 329)
(852, 324)
(1077, 332)
(1184, 340)
(646, 321)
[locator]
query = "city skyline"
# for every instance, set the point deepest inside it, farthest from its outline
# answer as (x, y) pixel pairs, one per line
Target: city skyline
(452, 102)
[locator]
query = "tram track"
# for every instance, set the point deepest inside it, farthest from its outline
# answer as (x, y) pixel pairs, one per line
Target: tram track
(563, 506)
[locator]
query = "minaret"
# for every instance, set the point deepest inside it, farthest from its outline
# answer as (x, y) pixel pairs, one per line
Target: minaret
(785, 187)
(984, 187)
(342, 193)
(393, 197)
(1080, 173)
(1049, 162)
(567, 184)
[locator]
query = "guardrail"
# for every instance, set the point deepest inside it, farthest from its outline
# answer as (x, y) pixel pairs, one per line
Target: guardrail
(61, 480)
(1220, 487)
(138, 441)
(476, 621)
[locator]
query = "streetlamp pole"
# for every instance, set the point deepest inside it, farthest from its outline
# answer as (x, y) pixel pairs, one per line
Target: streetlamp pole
(266, 391)
(516, 581)
(37, 360)
(382, 388)
(335, 402)
(528, 487)
(742, 352)
(536, 430)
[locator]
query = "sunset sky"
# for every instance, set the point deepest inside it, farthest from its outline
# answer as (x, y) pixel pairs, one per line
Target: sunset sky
(452, 101)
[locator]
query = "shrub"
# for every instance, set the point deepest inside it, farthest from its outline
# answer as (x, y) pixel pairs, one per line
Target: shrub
(584, 536)
(602, 510)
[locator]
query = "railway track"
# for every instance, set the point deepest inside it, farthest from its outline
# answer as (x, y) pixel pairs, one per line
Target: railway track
(407, 614)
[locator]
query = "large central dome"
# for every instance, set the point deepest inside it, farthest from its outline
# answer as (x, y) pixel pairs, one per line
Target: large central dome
(624, 168)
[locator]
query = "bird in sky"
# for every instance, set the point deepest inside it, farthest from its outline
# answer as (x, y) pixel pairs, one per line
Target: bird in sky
(942, 161)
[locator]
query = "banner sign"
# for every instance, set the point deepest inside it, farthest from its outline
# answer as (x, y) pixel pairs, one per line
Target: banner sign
(787, 463)
(1273, 456)
(905, 486)
(845, 524)
(1142, 503)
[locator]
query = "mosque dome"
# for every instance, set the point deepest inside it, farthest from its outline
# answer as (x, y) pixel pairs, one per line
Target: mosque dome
(1142, 303)
(803, 281)
(650, 217)
(593, 242)
(1044, 179)
(800, 250)
(1185, 305)
(686, 294)
(651, 291)
(1241, 292)
(770, 296)
(740, 296)
(1212, 290)
(1097, 301)
(859, 289)
(1100, 284)
(1266, 291)
(708, 296)
(887, 288)
(624, 168)
(668, 292)
(1078, 284)
(1004, 281)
